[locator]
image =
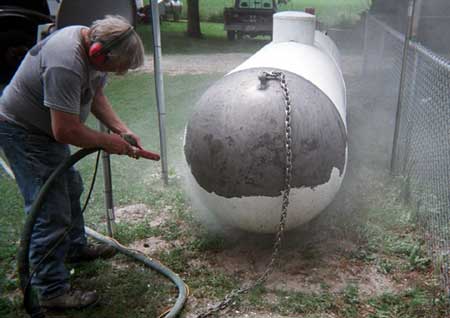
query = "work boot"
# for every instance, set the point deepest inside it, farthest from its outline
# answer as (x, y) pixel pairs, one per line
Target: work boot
(91, 252)
(71, 299)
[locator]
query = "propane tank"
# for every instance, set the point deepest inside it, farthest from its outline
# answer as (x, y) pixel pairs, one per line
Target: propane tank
(235, 139)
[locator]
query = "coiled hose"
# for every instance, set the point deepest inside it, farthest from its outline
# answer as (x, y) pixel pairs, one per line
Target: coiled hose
(30, 300)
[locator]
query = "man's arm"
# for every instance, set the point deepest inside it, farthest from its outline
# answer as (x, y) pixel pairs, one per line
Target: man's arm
(68, 129)
(102, 110)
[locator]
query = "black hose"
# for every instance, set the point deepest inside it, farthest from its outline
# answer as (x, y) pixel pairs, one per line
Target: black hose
(153, 264)
(30, 300)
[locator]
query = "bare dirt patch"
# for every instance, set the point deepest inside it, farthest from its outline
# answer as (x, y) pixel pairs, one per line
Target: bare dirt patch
(177, 64)
(137, 213)
(153, 245)
(132, 214)
(269, 315)
(196, 306)
(309, 270)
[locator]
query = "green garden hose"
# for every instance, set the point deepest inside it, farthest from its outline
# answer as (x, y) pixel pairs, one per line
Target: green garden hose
(30, 301)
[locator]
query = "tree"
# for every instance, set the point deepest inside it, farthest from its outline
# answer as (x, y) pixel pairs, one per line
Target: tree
(193, 13)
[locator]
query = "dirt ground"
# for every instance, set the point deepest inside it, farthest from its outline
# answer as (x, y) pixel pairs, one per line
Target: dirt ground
(178, 64)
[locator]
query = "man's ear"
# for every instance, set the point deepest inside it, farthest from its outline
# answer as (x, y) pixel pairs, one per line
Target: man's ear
(96, 55)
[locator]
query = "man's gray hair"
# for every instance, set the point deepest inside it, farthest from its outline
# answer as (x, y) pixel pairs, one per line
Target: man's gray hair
(128, 53)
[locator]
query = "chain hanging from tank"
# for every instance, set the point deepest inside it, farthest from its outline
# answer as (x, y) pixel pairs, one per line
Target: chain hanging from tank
(228, 299)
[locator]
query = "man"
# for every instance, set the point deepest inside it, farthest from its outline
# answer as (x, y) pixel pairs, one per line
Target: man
(42, 112)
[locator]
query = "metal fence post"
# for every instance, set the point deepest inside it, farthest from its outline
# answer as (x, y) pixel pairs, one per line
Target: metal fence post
(412, 94)
(380, 54)
(408, 36)
(159, 83)
(109, 202)
(366, 44)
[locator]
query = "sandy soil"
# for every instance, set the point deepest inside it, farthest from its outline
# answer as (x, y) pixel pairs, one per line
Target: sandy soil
(177, 64)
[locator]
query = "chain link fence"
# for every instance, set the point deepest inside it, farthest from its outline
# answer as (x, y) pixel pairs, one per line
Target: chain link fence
(422, 152)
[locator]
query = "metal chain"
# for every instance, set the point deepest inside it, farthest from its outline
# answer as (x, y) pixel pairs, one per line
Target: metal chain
(264, 77)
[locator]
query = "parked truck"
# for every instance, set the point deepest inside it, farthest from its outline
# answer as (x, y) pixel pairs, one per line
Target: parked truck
(249, 17)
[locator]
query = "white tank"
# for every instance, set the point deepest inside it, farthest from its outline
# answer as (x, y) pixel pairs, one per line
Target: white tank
(235, 139)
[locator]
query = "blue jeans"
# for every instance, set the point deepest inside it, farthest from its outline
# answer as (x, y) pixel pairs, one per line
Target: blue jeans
(32, 158)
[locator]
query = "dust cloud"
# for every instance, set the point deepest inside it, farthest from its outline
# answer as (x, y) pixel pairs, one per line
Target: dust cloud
(371, 122)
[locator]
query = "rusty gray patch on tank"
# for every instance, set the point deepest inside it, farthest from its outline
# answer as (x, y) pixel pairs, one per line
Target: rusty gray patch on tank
(235, 143)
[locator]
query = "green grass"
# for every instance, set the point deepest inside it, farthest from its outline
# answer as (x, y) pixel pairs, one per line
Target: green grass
(11, 216)
(128, 290)
(134, 100)
(131, 291)
(175, 41)
(304, 303)
(329, 12)
(134, 181)
(411, 303)
(332, 13)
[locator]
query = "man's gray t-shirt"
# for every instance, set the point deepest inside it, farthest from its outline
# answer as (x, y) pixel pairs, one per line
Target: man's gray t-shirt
(55, 74)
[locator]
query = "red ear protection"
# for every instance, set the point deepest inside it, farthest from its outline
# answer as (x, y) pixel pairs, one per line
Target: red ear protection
(97, 57)
(98, 52)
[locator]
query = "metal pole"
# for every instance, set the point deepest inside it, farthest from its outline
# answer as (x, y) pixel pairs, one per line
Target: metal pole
(159, 83)
(380, 54)
(416, 18)
(365, 66)
(408, 37)
(413, 79)
(109, 202)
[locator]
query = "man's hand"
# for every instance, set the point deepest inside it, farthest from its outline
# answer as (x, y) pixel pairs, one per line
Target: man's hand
(68, 129)
(138, 151)
(117, 145)
(132, 139)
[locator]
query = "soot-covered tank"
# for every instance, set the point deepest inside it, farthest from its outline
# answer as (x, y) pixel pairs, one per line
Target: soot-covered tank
(235, 139)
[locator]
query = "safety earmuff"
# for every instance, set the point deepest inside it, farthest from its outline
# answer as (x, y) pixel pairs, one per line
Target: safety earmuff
(98, 51)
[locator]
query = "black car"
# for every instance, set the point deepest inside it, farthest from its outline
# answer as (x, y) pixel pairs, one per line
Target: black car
(19, 20)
